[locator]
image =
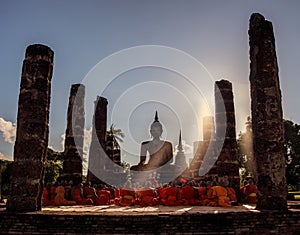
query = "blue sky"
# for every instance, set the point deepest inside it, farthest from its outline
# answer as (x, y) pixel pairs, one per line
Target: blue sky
(84, 33)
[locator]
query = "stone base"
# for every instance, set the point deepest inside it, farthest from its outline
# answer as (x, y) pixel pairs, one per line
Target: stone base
(151, 220)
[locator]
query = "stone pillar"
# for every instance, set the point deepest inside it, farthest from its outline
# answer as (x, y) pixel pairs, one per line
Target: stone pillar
(227, 163)
(200, 149)
(267, 122)
(32, 130)
(72, 165)
(208, 128)
(97, 153)
(203, 149)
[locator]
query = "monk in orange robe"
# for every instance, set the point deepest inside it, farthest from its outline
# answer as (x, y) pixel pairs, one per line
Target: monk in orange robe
(45, 197)
(212, 199)
(53, 192)
(221, 192)
(145, 197)
(231, 194)
(187, 196)
(103, 197)
(160, 194)
(90, 192)
(249, 192)
(202, 192)
(77, 196)
(117, 192)
(60, 199)
(127, 198)
(169, 196)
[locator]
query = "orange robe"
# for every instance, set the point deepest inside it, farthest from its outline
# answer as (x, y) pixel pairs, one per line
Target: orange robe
(145, 197)
(127, 198)
(187, 196)
(45, 197)
(212, 199)
(89, 192)
(169, 196)
(117, 193)
(52, 192)
(221, 192)
(60, 199)
(103, 197)
(231, 194)
(202, 192)
(250, 193)
(76, 196)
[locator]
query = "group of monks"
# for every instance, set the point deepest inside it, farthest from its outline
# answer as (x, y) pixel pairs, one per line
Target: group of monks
(67, 194)
(168, 195)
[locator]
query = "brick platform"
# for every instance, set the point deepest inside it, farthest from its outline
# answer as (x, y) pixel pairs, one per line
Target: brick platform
(150, 220)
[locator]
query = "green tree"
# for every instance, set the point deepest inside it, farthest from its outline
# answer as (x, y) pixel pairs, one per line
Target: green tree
(113, 137)
(5, 175)
(53, 166)
(116, 135)
(245, 152)
(292, 152)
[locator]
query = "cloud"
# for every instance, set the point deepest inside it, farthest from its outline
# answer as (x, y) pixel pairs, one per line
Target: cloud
(63, 138)
(8, 130)
(5, 158)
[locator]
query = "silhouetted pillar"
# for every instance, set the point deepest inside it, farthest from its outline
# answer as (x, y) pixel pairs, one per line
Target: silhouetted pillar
(97, 154)
(208, 128)
(267, 123)
(73, 152)
(203, 149)
(32, 130)
(227, 163)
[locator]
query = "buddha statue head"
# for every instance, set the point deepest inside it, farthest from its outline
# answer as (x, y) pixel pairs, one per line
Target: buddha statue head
(156, 128)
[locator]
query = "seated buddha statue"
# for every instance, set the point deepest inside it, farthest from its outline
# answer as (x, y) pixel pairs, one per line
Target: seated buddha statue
(160, 152)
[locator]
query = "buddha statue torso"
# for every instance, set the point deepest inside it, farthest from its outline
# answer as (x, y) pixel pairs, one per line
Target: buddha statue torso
(160, 152)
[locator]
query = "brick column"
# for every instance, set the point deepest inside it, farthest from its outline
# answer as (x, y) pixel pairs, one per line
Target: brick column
(201, 148)
(208, 128)
(72, 165)
(97, 153)
(267, 123)
(32, 130)
(227, 163)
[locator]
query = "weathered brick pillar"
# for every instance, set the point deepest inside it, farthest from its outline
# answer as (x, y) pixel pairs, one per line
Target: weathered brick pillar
(208, 128)
(26, 182)
(72, 165)
(267, 122)
(97, 153)
(227, 163)
(201, 148)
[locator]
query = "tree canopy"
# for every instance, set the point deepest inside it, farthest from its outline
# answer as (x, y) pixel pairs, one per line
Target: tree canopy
(291, 153)
(53, 165)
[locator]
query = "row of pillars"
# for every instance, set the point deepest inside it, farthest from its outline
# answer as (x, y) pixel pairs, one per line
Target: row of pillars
(33, 124)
